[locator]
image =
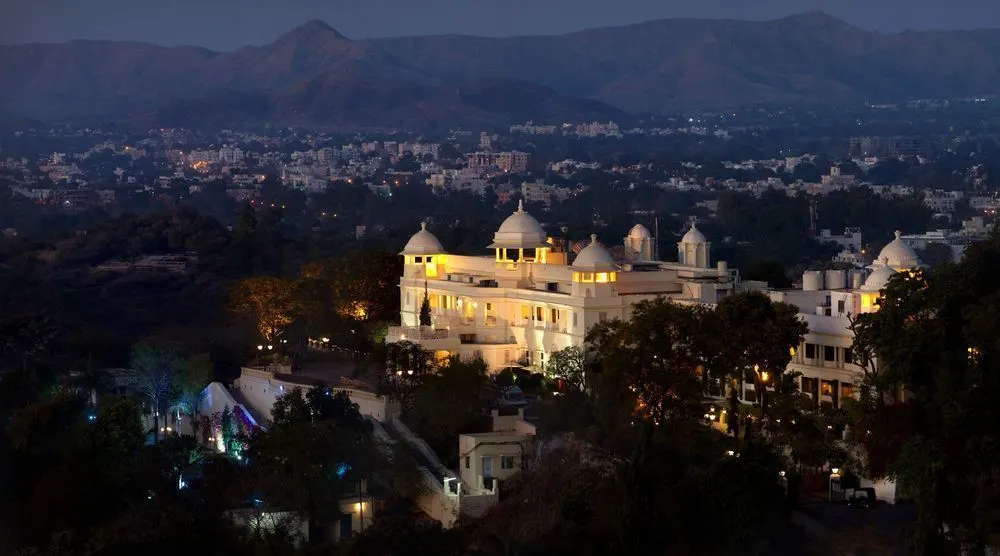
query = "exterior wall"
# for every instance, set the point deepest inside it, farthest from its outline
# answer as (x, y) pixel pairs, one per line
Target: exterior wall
(507, 313)
(261, 388)
(482, 456)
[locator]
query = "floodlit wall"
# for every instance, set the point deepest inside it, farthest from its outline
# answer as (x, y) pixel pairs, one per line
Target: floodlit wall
(260, 388)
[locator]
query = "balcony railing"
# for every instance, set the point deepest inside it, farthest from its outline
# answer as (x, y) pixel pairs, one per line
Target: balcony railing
(401, 333)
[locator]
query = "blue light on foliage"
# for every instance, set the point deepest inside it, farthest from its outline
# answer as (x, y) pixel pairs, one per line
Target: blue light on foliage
(91, 417)
(342, 470)
(181, 483)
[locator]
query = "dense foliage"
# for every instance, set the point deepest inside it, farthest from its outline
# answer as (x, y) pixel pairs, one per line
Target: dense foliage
(928, 415)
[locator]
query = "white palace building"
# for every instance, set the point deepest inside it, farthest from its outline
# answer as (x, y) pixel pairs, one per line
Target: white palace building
(527, 300)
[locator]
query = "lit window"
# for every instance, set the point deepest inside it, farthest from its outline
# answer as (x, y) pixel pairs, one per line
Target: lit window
(601, 277)
(846, 390)
(506, 462)
(826, 387)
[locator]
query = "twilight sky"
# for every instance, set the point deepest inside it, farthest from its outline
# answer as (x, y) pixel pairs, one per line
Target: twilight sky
(228, 24)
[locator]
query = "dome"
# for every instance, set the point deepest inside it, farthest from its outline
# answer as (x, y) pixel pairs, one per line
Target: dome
(423, 243)
(639, 232)
(878, 278)
(694, 236)
(899, 255)
(520, 231)
(594, 258)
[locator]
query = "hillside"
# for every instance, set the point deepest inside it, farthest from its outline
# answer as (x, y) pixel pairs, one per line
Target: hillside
(308, 74)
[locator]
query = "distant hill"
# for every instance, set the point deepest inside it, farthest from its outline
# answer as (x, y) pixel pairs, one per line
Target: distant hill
(308, 74)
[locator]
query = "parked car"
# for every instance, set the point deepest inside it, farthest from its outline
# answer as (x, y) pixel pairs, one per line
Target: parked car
(862, 499)
(511, 396)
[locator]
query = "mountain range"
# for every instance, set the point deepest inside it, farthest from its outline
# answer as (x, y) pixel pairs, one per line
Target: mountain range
(315, 75)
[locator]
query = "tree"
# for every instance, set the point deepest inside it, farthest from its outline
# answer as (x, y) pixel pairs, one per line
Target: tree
(927, 415)
(425, 310)
(755, 339)
(269, 301)
(155, 366)
(407, 366)
(568, 364)
(191, 381)
(451, 402)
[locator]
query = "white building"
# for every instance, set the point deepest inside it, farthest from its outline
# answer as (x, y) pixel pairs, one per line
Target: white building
(826, 301)
(527, 300)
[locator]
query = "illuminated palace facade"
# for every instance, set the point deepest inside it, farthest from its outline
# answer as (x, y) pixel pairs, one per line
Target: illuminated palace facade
(528, 299)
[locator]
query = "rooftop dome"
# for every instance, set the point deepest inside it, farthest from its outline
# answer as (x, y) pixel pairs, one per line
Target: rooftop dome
(520, 231)
(899, 255)
(594, 258)
(423, 243)
(639, 232)
(879, 277)
(694, 236)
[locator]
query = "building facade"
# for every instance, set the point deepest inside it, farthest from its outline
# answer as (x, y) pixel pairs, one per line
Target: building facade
(526, 300)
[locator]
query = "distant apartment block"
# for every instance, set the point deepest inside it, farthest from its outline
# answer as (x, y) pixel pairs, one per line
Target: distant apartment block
(514, 162)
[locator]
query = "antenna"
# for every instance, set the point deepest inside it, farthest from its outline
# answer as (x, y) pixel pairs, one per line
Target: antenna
(656, 238)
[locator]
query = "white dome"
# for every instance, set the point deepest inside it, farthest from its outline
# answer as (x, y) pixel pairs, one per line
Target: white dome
(639, 232)
(878, 278)
(520, 231)
(423, 243)
(694, 236)
(594, 258)
(899, 255)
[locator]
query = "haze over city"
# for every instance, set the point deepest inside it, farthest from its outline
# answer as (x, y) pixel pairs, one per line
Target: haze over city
(229, 24)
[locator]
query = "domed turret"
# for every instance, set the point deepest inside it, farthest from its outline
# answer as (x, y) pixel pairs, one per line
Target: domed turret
(898, 255)
(693, 249)
(519, 231)
(639, 232)
(594, 258)
(639, 243)
(423, 243)
(694, 235)
(879, 277)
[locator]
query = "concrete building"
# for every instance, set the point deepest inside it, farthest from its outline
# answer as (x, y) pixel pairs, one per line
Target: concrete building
(827, 300)
(488, 457)
(528, 300)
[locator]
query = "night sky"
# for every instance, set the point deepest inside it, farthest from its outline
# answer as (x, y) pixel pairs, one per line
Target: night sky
(228, 24)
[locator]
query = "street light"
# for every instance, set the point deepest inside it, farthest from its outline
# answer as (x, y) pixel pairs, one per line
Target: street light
(834, 475)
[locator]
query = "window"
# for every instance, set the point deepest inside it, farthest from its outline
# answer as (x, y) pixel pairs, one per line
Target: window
(848, 355)
(810, 351)
(539, 313)
(467, 458)
(418, 260)
(526, 312)
(840, 306)
(553, 315)
(430, 259)
(846, 390)
(826, 387)
(506, 462)
(829, 353)
(809, 385)
(574, 320)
